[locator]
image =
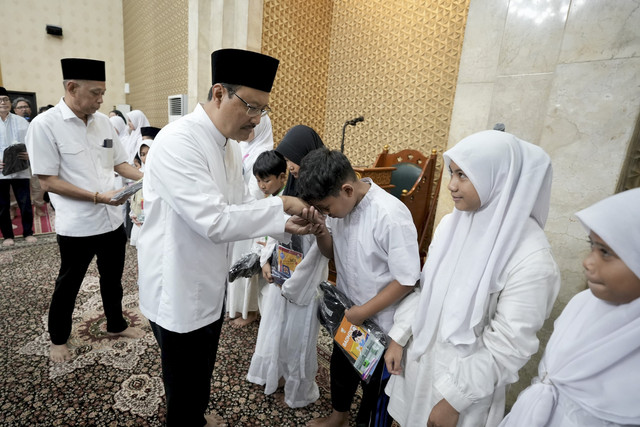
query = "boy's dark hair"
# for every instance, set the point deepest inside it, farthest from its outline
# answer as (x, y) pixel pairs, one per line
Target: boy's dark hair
(322, 174)
(269, 163)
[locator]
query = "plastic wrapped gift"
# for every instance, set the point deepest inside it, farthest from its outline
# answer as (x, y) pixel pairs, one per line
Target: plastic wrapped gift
(363, 345)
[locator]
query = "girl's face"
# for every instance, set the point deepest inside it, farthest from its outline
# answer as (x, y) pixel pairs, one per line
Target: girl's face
(143, 153)
(608, 276)
(293, 168)
(465, 196)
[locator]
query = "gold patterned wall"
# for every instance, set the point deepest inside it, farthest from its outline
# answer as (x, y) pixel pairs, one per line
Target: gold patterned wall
(156, 54)
(297, 33)
(395, 62)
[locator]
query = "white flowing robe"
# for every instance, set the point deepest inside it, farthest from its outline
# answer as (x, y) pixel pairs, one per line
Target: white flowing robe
(474, 377)
(287, 338)
(196, 203)
(592, 358)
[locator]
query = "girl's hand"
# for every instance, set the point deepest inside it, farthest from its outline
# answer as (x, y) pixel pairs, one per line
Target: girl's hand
(393, 358)
(266, 272)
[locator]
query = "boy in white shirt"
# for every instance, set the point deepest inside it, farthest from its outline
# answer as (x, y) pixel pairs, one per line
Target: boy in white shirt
(371, 237)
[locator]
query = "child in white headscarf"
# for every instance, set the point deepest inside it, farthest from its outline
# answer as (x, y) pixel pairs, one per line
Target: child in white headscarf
(148, 133)
(137, 120)
(488, 284)
(590, 372)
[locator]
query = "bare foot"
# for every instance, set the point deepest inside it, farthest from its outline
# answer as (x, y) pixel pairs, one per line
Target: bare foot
(239, 322)
(214, 420)
(30, 239)
(130, 332)
(336, 419)
(59, 353)
(8, 242)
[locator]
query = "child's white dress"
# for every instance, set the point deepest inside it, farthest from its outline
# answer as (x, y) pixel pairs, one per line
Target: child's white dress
(288, 333)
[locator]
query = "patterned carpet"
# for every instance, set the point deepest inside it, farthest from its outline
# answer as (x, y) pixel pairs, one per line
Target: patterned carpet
(113, 382)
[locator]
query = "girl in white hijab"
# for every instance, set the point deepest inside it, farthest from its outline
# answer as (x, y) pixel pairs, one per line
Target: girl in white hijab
(590, 372)
(137, 200)
(487, 286)
(120, 126)
(137, 120)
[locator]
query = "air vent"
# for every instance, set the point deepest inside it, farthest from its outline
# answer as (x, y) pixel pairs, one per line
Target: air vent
(177, 106)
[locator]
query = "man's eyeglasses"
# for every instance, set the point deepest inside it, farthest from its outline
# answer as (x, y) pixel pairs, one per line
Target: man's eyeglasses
(22, 107)
(5, 100)
(254, 111)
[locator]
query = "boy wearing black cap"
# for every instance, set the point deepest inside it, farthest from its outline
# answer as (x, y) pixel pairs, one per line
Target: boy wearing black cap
(196, 204)
(63, 146)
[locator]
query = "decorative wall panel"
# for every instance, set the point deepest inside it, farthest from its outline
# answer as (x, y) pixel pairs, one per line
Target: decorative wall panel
(395, 62)
(298, 34)
(156, 54)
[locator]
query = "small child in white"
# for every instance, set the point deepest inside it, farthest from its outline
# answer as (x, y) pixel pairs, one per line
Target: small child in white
(137, 201)
(590, 372)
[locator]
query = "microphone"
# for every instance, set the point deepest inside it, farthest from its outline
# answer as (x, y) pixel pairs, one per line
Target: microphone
(353, 122)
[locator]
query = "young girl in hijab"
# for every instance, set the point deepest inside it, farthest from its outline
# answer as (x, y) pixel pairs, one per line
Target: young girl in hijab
(487, 286)
(137, 200)
(137, 120)
(589, 375)
(243, 294)
(286, 352)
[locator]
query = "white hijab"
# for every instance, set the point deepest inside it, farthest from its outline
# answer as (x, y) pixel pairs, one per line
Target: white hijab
(139, 120)
(593, 356)
(142, 142)
(513, 180)
(261, 142)
(120, 126)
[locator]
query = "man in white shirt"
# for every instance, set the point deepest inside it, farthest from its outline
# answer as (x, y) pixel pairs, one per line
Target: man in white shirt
(74, 150)
(196, 203)
(13, 129)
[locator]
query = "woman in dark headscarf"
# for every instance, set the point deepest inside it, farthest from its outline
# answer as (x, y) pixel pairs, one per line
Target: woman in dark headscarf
(299, 141)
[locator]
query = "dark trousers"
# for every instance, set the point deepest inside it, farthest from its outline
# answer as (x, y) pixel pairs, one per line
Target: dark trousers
(344, 383)
(187, 365)
(22, 191)
(76, 254)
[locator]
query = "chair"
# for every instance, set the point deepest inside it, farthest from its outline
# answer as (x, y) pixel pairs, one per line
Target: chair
(415, 185)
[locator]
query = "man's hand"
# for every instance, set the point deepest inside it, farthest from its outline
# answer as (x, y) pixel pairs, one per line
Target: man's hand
(23, 155)
(266, 272)
(293, 205)
(108, 195)
(297, 225)
(355, 315)
(393, 358)
(443, 415)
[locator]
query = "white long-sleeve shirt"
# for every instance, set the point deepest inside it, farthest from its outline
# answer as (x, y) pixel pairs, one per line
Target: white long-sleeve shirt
(196, 203)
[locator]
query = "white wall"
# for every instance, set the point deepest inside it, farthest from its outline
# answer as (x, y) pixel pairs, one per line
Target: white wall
(30, 58)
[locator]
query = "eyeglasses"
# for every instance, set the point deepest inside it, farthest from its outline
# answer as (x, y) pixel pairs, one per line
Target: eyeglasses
(5, 100)
(22, 107)
(254, 111)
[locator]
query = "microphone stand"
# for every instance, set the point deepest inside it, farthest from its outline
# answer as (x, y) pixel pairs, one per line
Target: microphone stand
(343, 129)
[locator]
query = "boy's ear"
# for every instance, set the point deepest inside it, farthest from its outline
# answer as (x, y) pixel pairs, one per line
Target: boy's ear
(348, 189)
(282, 176)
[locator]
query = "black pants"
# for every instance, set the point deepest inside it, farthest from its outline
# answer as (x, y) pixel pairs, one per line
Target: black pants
(344, 383)
(76, 254)
(187, 365)
(22, 191)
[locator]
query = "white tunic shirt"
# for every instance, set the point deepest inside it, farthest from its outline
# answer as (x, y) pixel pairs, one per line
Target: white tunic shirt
(13, 131)
(61, 144)
(374, 245)
(195, 204)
